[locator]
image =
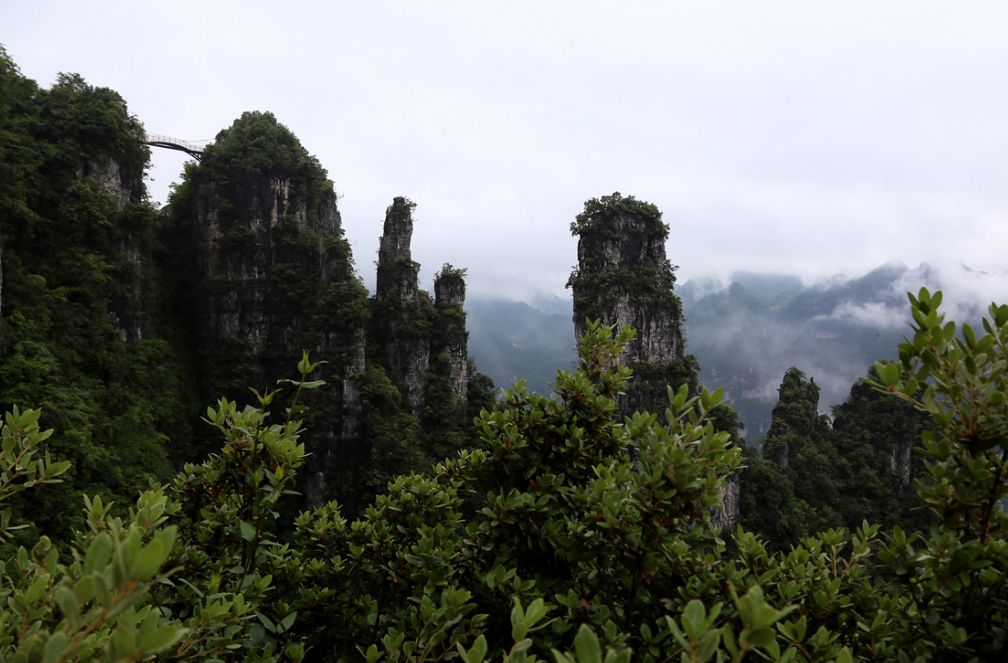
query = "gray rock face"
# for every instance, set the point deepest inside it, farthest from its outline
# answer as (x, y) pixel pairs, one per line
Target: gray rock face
(397, 273)
(414, 335)
(449, 299)
(342, 436)
(900, 458)
(273, 278)
(244, 253)
(352, 385)
(727, 512)
(624, 278)
(407, 345)
(108, 175)
(796, 412)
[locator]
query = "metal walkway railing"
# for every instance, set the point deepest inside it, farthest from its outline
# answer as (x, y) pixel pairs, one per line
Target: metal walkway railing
(195, 150)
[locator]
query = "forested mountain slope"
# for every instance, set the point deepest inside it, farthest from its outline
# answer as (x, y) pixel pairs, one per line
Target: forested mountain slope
(122, 321)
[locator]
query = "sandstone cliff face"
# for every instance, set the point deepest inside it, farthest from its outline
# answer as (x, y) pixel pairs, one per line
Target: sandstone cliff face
(259, 257)
(900, 463)
(106, 172)
(397, 273)
(273, 275)
(726, 515)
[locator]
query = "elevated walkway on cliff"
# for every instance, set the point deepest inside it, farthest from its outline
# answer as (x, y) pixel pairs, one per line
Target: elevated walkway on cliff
(192, 148)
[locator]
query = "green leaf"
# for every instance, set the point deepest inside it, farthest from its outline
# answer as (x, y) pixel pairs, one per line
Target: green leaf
(67, 601)
(54, 647)
(98, 552)
(160, 639)
(693, 619)
(478, 651)
(267, 622)
(586, 646)
(372, 654)
(536, 611)
(86, 588)
(148, 560)
(288, 621)
(124, 641)
(248, 530)
(888, 373)
(761, 637)
(969, 336)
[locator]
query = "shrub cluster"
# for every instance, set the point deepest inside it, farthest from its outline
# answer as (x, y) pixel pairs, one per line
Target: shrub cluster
(550, 541)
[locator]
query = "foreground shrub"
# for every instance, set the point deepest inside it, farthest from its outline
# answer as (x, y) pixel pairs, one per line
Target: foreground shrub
(567, 535)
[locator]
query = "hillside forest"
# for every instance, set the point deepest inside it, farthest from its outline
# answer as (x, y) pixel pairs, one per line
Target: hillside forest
(218, 445)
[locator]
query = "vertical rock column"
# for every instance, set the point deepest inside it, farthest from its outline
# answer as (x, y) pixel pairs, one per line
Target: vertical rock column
(624, 278)
(400, 323)
(794, 417)
(397, 273)
(272, 276)
(449, 300)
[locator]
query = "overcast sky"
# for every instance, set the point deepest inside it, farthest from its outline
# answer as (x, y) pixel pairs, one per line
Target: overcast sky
(775, 136)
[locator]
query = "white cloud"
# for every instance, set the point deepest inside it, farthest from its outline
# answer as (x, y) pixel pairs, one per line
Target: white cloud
(785, 136)
(877, 315)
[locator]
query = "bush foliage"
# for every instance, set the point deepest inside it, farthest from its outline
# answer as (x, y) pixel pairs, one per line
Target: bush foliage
(548, 542)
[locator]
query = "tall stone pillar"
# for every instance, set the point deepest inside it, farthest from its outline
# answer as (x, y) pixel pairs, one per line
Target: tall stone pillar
(449, 300)
(406, 344)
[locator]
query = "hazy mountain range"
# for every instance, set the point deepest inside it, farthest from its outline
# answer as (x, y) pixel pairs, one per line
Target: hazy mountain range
(747, 331)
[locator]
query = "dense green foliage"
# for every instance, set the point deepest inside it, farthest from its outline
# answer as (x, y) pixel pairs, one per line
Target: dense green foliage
(78, 291)
(547, 539)
(812, 475)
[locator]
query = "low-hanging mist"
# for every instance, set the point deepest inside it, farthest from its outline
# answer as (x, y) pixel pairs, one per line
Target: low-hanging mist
(747, 330)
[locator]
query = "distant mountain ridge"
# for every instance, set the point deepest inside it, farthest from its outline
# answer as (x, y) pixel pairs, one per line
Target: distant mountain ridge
(746, 332)
(513, 340)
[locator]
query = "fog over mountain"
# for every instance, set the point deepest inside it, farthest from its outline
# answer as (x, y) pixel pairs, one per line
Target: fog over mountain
(747, 329)
(512, 340)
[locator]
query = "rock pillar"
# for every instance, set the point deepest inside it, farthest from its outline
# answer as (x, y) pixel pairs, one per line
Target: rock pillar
(449, 300)
(624, 278)
(405, 337)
